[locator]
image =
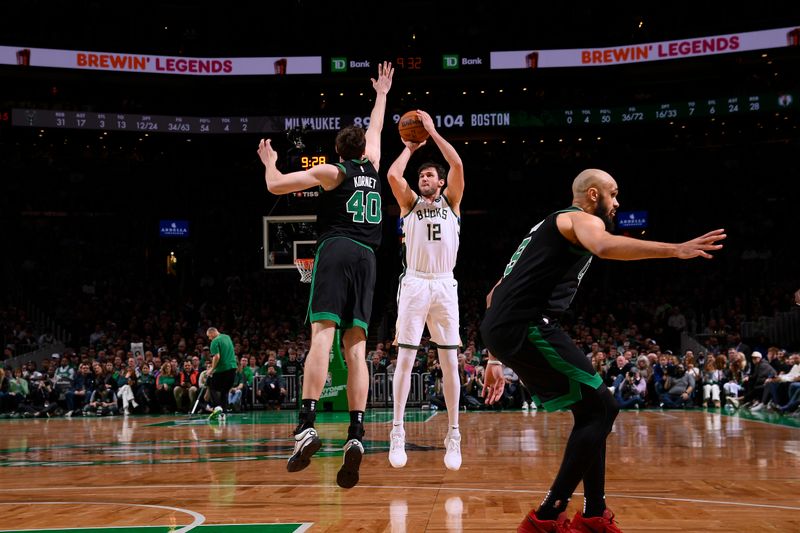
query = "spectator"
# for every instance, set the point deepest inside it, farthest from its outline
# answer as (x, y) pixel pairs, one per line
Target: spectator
(679, 386)
(185, 389)
(102, 402)
(81, 391)
(632, 390)
(273, 389)
(755, 380)
(712, 377)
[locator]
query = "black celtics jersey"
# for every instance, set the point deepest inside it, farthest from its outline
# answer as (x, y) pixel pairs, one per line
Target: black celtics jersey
(353, 209)
(541, 278)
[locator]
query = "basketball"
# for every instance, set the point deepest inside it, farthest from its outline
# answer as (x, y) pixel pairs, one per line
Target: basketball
(411, 128)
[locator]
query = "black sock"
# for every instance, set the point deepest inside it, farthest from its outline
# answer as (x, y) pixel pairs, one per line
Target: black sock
(593, 506)
(308, 413)
(551, 507)
(356, 429)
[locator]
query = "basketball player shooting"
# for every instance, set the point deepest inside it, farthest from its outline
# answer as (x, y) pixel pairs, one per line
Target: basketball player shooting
(428, 291)
(349, 226)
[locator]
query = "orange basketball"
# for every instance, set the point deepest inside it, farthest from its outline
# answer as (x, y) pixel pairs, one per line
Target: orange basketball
(411, 128)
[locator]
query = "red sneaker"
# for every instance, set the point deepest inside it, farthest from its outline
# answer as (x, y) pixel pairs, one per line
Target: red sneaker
(531, 524)
(596, 524)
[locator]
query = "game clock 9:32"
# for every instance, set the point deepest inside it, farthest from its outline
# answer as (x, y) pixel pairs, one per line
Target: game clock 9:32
(408, 63)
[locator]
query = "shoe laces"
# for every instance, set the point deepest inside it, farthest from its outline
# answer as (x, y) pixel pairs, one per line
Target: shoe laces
(398, 441)
(453, 445)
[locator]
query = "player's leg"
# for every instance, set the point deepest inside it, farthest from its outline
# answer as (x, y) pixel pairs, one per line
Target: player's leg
(355, 320)
(559, 375)
(315, 368)
(412, 308)
(443, 325)
(325, 307)
(306, 440)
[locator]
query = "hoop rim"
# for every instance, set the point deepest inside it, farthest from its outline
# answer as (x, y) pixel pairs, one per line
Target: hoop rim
(304, 262)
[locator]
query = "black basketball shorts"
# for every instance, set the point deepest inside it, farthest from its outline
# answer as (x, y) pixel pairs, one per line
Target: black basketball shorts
(343, 283)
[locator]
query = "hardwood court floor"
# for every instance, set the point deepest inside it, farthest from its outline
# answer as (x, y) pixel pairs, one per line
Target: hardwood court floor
(667, 471)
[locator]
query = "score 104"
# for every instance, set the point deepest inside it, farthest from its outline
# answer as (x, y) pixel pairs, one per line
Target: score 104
(440, 121)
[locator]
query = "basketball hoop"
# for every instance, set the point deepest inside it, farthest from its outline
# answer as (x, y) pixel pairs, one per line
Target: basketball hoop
(306, 269)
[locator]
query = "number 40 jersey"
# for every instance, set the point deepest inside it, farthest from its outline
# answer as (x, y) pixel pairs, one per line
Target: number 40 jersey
(353, 209)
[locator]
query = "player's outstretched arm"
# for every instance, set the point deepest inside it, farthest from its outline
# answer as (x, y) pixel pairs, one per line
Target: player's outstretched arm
(591, 233)
(404, 195)
(455, 177)
(381, 86)
(326, 176)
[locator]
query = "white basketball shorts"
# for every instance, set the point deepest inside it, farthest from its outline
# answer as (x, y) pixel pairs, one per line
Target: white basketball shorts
(430, 299)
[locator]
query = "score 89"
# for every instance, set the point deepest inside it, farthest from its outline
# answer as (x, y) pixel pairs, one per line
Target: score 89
(363, 122)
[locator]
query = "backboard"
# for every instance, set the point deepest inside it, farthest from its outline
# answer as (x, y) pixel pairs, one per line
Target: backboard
(287, 238)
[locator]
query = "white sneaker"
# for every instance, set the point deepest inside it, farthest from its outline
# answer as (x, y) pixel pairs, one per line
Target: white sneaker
(215, 413)
(757, 407)
(452, 454)
(347, 478)
(397, 448)
(306, 444)
(524, 406)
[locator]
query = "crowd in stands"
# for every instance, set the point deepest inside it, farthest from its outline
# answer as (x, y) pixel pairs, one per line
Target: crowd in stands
(157, 363)
(83, 217)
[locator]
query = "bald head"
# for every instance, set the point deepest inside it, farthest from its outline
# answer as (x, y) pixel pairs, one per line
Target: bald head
(591, 177)
(595, 191)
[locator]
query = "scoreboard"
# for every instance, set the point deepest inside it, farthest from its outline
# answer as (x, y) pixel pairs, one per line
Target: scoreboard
(461, 120)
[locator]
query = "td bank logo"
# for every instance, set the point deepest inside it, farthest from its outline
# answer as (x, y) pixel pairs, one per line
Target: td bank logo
(450, 61)
(338, 64)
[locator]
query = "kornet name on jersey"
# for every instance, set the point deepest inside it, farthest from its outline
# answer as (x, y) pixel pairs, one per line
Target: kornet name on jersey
(354, 208)
(431, 231)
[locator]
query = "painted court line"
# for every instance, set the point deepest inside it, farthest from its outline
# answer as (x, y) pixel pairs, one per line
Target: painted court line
(382, 487)
(197, 518)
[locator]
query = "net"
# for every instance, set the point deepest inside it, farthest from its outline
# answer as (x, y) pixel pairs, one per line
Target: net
(306, 269)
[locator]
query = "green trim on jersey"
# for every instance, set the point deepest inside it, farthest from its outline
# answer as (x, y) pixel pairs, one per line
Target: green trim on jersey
(356, 323)
(575, 375)
(309, 313)
(416, 201)
(341, 167)
(450, 205)
(311, 316)
(324, 315)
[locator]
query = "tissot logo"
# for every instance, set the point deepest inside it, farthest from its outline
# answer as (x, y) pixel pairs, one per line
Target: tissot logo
(450, 61)
(338, 64)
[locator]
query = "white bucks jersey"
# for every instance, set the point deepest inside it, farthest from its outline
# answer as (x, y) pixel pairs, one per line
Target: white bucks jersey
(431, 233)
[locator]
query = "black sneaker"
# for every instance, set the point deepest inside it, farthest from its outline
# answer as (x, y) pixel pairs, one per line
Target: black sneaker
(347, 478)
